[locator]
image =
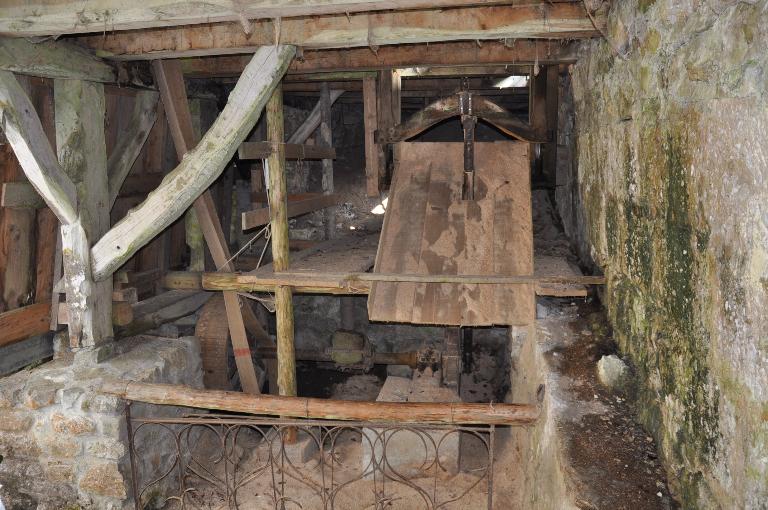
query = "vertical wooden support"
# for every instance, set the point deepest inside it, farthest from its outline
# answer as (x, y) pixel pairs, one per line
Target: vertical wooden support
(549, 149)
(388, 110)
(278, 200)
(174, 95)
(326, 140)
(372, 173)
(82, 153)
(537, 117)
(395, 100)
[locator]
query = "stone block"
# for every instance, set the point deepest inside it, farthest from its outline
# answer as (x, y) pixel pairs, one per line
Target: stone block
(103, 479)
(40, 393)
(15, 421)
(58, 471)
(74, 425)
(106, 449)
(102, 404)
(14, 445)
(62, 447)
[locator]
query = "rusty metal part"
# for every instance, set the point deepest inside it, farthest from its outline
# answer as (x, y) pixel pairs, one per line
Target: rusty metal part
(212, 473)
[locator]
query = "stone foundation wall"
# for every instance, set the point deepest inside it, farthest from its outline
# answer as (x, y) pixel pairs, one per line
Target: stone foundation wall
(671, 120)
(64, 444)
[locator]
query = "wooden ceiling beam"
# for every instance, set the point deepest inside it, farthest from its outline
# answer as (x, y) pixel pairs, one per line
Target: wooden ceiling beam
(60, 17)
(374, 30)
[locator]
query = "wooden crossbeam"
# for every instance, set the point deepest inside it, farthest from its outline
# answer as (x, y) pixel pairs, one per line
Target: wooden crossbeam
(455, 53)
(533, 20)
(308, 202)
(132, 140)
(24, 132)
(312, 121)
(201, 166)
(19, 18)
(53, 59)
(262, 150)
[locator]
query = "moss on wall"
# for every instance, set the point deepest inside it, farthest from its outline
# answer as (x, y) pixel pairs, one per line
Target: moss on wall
(673, 178)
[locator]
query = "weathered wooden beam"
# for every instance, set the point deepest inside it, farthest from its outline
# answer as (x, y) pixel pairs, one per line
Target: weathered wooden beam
(262, 150)
(540, 20)
(53, 59)
(167, 307)
(25, 352)
(80, 140)
(201, 166)
(320, 408)
(24, 132)
(278, 216)
(457, 53)
(173, 91)
(312, 121)
(18, 18)
(370, 123)
(307, 204)
(325, 139)
(132, 140)
(24, 322)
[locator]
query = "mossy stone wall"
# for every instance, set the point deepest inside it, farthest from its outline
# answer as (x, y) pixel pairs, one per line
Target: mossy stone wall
(671, 134)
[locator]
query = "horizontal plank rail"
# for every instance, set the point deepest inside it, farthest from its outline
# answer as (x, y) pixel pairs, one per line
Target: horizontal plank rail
(318, 408)
(307, 204)
(21, 323)
(262, 150)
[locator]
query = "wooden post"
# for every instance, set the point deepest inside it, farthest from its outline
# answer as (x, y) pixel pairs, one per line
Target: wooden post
(372, 173)
(278, 200)
(549, 149)
(326, 140)
(537, 118)
(80, 108)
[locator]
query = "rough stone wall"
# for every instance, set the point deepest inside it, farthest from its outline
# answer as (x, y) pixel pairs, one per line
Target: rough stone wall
(672, 170)
(64, 444)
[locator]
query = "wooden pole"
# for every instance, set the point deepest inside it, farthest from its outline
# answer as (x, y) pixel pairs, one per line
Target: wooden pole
(372, 174)
(278, 200)
(318, 408)
(326, 140)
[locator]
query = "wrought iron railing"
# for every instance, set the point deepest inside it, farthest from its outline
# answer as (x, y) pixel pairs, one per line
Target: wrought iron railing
(245, 462)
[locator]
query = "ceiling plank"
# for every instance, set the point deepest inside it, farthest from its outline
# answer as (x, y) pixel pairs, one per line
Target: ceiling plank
(541, 20)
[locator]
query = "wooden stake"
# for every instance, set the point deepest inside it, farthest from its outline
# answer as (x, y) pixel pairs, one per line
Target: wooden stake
(326, 140)
(278, 200)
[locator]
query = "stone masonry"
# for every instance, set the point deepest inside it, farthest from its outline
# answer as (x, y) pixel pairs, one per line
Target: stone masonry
(64, 444)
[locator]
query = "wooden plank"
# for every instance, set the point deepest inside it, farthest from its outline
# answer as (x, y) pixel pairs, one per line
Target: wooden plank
(45, 255)
(20, 195)
(80, 108)
(540, 20)
(24, 322)
(25, 133)
(549, 149)
(457, 54)
(179, 117)
(17, 242)
(20, 354)
(259, 217)
(202, 165)
(131, 141)
(370, 124)
(53, 59)
(446, 236)
(262, 150)
(394, 412)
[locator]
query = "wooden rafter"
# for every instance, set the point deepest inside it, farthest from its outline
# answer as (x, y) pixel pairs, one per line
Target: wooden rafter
(202, 165)
(538, 20)
(53, 59)
(312, 121)
(24, 132)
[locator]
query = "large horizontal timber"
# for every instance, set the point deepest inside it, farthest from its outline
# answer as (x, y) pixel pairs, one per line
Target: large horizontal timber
(18, 18)
(319, 408)
(364, 30)
(308, 203)
(262, 150)
(199, 168)
(436, 54)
